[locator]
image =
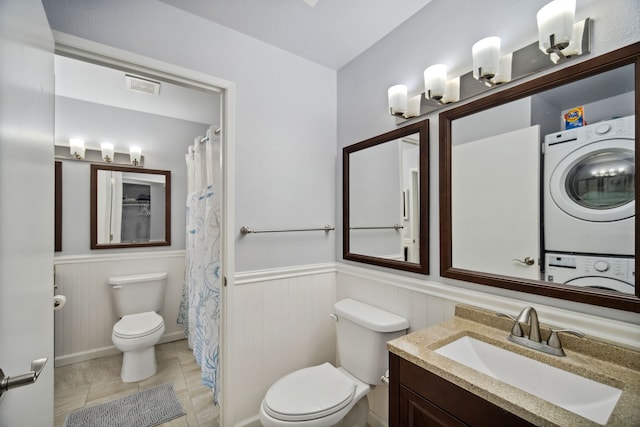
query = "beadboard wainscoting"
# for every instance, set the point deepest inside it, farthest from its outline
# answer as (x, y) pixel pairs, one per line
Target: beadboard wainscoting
(279, 322)
(83, 326)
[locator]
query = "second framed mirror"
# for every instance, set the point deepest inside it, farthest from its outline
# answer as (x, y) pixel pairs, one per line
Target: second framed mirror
(385, 199)
(130, 207)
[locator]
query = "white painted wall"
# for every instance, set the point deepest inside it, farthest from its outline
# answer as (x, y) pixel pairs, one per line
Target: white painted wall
(286, 118)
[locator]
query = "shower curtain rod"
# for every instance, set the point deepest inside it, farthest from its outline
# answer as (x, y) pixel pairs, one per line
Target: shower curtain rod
(247, 230)
(206, 138)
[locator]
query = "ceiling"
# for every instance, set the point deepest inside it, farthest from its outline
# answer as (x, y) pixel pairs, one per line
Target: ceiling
(328, 32)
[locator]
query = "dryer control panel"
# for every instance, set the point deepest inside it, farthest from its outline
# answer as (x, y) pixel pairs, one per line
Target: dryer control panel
(561, 268)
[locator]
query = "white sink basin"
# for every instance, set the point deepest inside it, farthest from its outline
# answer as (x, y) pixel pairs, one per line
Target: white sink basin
(577, 394)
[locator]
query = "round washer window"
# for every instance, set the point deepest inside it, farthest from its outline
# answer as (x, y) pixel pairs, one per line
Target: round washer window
(603, 180)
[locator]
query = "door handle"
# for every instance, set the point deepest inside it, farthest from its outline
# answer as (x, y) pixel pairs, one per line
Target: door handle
(527, 261)
(7, 383)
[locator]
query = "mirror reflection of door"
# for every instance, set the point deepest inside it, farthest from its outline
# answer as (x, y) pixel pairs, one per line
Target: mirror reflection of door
(495, 203)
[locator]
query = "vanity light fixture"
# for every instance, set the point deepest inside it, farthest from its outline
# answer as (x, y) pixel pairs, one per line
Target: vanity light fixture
(555, 26)
(397, 100)
(559, 39)
(435, 82)
(486, 59)
(135, 153)
(107, 151)
(76, 147)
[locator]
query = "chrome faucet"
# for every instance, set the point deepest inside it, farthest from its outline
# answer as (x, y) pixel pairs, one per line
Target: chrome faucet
(529, 315)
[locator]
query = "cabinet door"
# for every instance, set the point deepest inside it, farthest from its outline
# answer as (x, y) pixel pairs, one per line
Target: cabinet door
(418, 412)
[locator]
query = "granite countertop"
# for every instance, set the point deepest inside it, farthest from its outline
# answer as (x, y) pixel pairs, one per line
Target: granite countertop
(606, 363)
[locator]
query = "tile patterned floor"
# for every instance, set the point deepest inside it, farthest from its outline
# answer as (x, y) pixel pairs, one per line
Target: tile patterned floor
(97, 381)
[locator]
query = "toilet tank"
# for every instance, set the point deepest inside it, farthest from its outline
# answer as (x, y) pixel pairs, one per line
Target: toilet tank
(138, 293)
(362, 333)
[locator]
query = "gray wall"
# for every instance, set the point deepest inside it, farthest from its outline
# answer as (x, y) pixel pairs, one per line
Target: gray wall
(285, 118)
(165, 140)
(443, 32)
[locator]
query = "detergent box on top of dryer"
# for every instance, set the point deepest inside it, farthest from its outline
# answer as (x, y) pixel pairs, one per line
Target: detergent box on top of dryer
(574, 118)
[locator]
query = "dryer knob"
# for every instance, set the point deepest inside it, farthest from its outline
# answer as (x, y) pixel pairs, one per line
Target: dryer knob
(601, 266)
(603, 128)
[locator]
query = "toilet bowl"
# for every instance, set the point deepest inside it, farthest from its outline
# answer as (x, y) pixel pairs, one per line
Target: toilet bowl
(329, 396)
(135, 335)
(319, 396)
(137, 300)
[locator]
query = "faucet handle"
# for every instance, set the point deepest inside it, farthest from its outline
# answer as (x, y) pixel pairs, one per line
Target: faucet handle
(516, 330)
(554, 339)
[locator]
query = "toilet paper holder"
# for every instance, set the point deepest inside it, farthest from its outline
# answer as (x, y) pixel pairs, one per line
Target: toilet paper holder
(59, 301)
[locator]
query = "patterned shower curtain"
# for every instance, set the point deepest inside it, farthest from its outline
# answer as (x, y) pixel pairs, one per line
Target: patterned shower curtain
(200, 306)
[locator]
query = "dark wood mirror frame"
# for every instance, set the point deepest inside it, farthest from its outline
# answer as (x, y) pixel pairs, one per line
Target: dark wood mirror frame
(625, 56)
(422, 129)
(58, 206)
(94, 206)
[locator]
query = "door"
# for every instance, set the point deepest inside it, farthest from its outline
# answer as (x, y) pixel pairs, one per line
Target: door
(496, 220)
(26, 209)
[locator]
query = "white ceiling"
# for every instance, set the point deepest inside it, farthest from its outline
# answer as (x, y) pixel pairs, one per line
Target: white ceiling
(331, 33)
(102, 85)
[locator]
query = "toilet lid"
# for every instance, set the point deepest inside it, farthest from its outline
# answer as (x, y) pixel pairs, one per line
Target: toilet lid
(309, 393)
(137, 325)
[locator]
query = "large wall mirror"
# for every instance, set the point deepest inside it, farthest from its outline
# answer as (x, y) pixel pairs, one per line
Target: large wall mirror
(538, 185)
(385, 199)
(130, 207)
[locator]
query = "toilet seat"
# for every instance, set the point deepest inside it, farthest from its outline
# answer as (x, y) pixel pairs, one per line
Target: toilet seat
(138, 325)
(309, 393)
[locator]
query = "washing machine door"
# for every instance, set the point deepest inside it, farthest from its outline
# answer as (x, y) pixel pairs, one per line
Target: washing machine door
(596, 182)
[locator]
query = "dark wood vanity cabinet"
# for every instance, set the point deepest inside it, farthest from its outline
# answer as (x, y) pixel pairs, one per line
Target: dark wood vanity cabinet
(418, 398)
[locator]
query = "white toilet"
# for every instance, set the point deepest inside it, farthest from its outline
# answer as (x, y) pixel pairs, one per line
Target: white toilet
(137, 299)
(326, 396)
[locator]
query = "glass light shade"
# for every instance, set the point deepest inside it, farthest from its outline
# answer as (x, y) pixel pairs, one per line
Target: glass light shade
(397, 99)
(413, 106)
(435, 81)
(76, 147)
(486, 57)
(107, 151)
(135, 153)
(452, 91)
(555, 25)
(504, 70)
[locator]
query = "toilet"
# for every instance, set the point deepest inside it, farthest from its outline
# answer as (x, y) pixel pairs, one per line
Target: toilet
(138, 299)
(328, 396)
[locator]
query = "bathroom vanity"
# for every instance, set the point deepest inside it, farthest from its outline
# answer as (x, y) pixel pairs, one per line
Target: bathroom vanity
(421, 398)
(427, 388)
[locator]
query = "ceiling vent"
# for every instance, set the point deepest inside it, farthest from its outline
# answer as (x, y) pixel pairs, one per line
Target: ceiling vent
(138, 84)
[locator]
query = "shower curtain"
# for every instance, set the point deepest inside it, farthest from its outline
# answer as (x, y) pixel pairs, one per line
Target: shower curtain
(200, 306)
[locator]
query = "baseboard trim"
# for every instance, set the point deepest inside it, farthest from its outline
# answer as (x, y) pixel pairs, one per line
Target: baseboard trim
(83, 356)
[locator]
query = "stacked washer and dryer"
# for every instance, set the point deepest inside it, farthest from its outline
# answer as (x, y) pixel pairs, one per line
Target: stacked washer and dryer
(589, 206)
